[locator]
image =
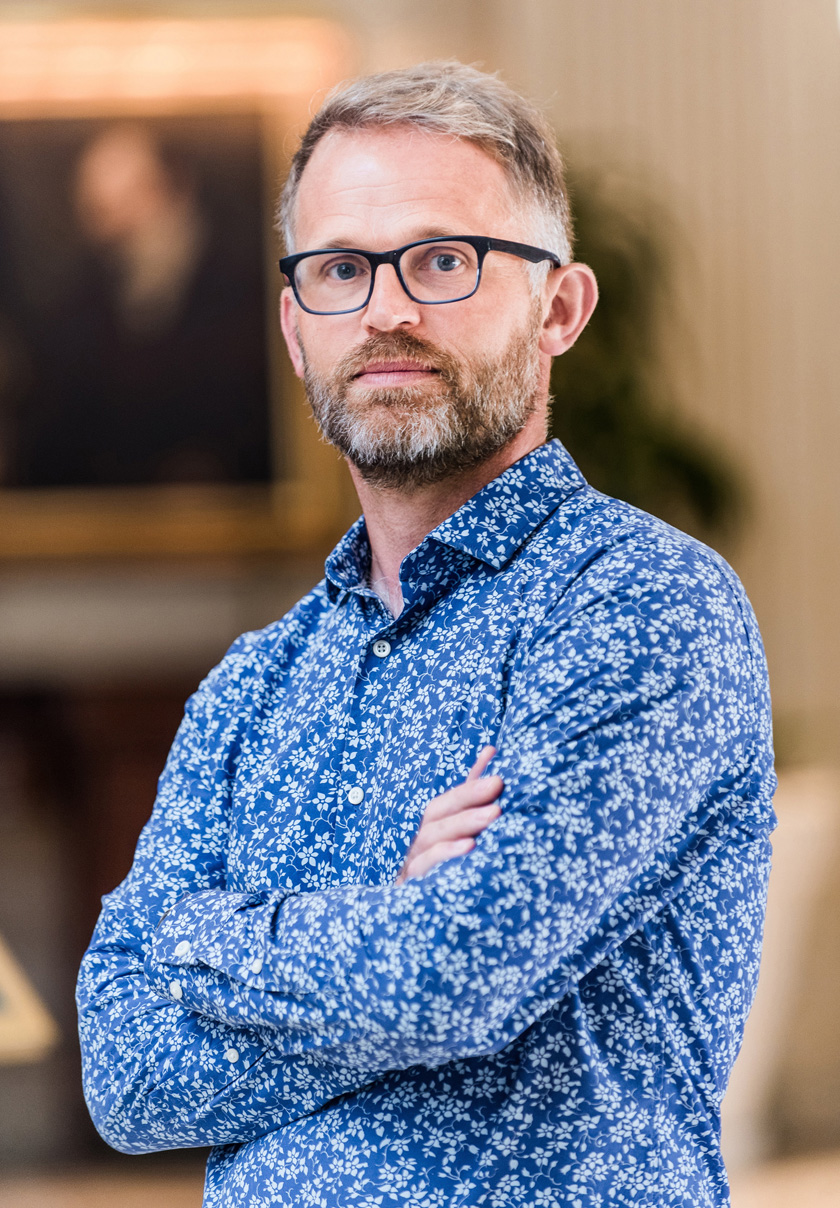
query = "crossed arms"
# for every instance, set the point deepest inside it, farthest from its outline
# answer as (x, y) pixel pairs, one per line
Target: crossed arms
(631, 742)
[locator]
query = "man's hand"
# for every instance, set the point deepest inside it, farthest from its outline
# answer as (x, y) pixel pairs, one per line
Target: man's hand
(452, 819)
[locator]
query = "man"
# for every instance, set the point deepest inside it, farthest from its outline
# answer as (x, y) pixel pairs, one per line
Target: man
(532, 991)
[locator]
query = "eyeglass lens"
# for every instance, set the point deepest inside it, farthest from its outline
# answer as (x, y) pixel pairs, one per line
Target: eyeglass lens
(433, 272)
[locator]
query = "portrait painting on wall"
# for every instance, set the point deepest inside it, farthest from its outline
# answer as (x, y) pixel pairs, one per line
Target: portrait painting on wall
(133, 302)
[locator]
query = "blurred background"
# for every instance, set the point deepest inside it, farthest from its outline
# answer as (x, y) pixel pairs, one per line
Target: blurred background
(162, 488)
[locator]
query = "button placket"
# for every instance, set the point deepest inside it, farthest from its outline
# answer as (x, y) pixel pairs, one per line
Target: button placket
(354, 789)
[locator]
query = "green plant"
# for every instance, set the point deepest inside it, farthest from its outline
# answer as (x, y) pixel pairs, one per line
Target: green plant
(614, 408)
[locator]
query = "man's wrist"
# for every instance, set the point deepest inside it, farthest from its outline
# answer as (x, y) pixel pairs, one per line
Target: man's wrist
(200, 931)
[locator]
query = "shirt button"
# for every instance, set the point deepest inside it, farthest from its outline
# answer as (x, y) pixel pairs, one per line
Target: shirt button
(176, 990)
(381, 648)
(355, 795)
(183, 949)
(256, 965)
(232, 1055)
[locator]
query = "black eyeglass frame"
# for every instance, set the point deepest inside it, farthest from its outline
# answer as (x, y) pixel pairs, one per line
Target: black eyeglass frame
(481, 244)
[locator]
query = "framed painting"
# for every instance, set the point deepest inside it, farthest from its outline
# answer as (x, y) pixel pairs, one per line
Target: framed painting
(146, 405)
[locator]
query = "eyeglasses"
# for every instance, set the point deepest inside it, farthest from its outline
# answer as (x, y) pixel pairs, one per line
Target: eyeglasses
(337, 281)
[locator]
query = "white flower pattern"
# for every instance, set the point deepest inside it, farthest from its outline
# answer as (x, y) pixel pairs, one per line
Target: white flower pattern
(548, 1020)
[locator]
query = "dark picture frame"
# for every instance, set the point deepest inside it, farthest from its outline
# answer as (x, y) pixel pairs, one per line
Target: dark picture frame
(146, 404)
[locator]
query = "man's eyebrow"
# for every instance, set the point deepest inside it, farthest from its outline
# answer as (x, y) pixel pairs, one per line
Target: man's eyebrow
(426, 233)
(436, 232)
(338, 243)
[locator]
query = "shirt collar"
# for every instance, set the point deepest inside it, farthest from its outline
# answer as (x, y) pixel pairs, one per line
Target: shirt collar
(501, 517)
(348, 566)
(491, 526)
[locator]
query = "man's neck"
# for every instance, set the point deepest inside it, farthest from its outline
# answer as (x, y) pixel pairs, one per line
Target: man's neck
(398, 519)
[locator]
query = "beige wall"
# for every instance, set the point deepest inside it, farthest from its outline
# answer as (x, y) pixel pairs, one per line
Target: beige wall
(730, 107)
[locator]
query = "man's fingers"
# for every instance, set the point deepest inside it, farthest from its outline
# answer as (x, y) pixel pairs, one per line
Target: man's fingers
(451, 820)
(454, 828)
(464, 796)
(482, 760)
(473, 791)
(423, 862)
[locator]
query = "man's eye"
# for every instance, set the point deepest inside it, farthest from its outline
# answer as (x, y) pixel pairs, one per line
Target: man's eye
(343, 270)
(445, 262)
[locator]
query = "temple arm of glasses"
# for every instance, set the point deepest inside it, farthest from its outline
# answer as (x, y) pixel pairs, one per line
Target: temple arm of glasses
(525, 250)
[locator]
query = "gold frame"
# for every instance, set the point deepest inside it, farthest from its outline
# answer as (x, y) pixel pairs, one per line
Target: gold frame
(150, 66)
(27, 1030)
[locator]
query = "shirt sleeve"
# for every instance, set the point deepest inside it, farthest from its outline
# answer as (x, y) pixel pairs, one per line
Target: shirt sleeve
(635, 744)
(156, 1074)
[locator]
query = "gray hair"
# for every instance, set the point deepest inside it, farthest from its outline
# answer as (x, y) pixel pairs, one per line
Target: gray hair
(451, 98)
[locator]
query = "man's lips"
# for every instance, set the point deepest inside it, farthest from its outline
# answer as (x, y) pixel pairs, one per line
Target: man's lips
(394, 373)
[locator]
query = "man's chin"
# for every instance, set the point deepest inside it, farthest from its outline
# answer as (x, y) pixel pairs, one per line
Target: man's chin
(393, 469)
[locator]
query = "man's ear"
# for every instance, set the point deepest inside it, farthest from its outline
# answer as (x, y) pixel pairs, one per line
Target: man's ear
(572, 292)
(288, 326)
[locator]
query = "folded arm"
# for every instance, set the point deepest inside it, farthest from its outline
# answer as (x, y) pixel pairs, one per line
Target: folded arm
(157, 1074)
(636, 741)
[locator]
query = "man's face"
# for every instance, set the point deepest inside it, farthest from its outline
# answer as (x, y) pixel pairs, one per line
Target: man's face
(412, 393)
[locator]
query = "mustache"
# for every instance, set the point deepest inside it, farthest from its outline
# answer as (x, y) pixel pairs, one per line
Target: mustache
(396, 346)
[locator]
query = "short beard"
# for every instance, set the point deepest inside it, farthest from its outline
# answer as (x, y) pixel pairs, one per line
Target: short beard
(407, 437)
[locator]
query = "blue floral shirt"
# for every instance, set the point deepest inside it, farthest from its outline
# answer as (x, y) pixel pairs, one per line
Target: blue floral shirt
(548, 1020)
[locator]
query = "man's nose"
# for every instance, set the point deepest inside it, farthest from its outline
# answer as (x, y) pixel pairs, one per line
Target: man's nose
(390, 306)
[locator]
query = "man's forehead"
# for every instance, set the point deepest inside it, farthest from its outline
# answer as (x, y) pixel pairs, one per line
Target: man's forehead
(366, 143)
(399, 178)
